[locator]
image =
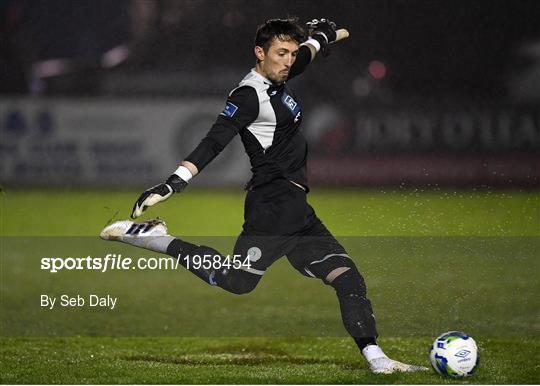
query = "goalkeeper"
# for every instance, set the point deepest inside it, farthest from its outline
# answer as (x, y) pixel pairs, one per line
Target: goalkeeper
(267, 115)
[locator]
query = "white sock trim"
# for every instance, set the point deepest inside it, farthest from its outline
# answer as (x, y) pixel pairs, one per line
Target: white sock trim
(373, 351)
(183, 173)
(314, 43)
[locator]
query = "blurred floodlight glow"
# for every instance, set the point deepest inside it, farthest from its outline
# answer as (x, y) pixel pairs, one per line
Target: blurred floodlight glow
(48, 68)
(377, 69)
(361, 86)
(114, 56)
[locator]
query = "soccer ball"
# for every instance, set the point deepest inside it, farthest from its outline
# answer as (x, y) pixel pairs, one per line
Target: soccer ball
(454, 354)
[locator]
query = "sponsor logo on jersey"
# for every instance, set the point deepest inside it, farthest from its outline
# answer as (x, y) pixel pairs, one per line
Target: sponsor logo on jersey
(230, 109)
(289, 102)
(291, 105)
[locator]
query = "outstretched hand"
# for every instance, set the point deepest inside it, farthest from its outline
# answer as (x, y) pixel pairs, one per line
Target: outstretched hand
(158, 193)
(324, 31)
(323, 27)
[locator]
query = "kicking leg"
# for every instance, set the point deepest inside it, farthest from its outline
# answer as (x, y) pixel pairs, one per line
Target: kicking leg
(152, 235)
(234, 280)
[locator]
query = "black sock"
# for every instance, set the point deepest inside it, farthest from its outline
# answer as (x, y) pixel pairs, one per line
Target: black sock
(364, 342)
(180, 249)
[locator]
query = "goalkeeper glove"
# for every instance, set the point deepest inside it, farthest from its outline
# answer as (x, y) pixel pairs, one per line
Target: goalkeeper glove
(324, 31)
(158, 193)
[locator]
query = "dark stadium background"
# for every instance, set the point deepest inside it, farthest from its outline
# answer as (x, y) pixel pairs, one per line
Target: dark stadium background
(423, 93)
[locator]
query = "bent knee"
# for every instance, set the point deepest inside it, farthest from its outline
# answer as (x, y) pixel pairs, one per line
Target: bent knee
(341, 273)
(335, 273)
(240, 283)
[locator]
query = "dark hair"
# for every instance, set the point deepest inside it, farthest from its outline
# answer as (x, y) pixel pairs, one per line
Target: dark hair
(282, 29)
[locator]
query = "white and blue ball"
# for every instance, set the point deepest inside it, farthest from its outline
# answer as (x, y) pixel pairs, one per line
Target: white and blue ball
(454, 354)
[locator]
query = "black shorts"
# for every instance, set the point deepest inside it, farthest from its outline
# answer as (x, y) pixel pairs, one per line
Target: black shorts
(279, 222)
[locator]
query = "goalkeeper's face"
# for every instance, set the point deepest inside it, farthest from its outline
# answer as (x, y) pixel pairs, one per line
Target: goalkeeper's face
(276, 62)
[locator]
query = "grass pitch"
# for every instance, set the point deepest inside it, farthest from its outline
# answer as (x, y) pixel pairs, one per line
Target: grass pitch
(433, 261)
(243, 361)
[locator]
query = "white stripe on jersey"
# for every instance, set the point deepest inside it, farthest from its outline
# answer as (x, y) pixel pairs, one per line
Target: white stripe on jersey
(264, 127)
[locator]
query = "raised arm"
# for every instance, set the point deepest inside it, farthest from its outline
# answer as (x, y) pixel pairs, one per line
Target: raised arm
(321, 33)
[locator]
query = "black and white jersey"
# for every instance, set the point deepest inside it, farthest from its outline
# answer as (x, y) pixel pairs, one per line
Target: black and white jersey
(267, 116)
